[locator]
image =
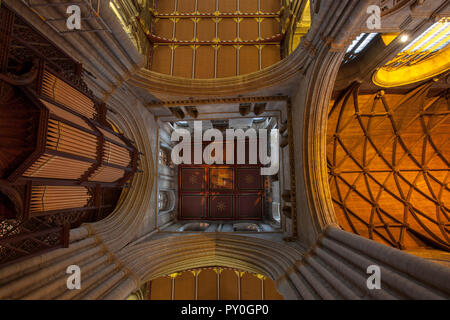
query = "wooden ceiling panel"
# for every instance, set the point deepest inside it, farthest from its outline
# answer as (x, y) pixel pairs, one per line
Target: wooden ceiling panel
(226, 62)
(185, 30)
(229, 289)
(270, 54)
(204, 62)
(248, 59)
(221, 206)
(227, 6)
(161, 59)
(270, 292)
(184, 286)
(164, 28)
(251, 287)
(206, 6)
(206, 29)
(207, 284)
(182, 64)
(165, 6)
(248, 29)
(227, 30)
(164, 291)
(270, 6)
(206, 23)
(213, 283)
(192, 206)
(186, 6)
(248, 6)
(269, 28)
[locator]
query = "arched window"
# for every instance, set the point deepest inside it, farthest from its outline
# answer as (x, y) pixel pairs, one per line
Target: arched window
(161, 157)
(162, 200)
(166, 201)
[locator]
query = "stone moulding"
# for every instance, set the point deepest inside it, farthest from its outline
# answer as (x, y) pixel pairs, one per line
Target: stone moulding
(277, 74)
(156, 258)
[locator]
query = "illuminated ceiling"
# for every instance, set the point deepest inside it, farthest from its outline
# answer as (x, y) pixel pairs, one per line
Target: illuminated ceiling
(358, 45)
(206, 39)
(214, 283)
(425, 57)
(388, 159)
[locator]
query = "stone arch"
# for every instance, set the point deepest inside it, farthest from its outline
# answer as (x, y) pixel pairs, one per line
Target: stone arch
(123, 224)
(168, 255)
(168, 201)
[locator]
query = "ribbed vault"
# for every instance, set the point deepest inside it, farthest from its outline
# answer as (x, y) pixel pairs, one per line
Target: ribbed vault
(388, 159)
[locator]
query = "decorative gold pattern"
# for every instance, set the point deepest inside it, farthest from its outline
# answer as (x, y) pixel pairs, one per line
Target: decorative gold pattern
(220, 43)
(193, 179)
(221, 206)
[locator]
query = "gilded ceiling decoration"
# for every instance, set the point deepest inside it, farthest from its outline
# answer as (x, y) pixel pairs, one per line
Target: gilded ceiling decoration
(210, 283)
(221, 206)
(388, 159)
(203, 39)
